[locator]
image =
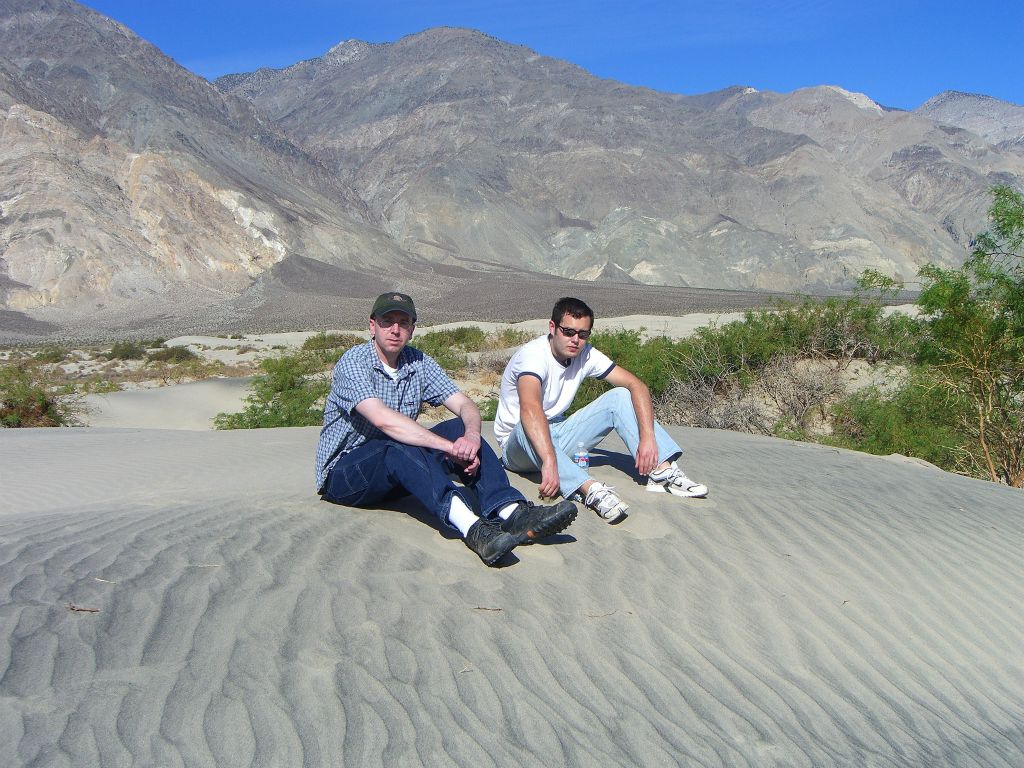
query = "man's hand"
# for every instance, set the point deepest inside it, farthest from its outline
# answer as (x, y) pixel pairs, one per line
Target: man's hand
(646, 455)
(466, 453)
(468, 468)
(549, 485)
(465, 448)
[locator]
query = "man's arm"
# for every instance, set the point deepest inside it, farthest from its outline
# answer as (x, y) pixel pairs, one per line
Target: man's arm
(538, 432)
(647, 451)
(400, 427)
(466, 450)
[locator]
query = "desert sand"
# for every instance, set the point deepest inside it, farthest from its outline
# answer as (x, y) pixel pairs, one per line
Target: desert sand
(822, 607)
(181, 597)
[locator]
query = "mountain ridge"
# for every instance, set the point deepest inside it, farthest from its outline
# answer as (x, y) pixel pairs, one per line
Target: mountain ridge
(139, 190)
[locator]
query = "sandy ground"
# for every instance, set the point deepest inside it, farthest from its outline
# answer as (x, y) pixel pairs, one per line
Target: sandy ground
(821, 608)
(181, 597)
(181, 406)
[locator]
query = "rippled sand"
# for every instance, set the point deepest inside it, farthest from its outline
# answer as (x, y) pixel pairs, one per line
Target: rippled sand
(821, 608)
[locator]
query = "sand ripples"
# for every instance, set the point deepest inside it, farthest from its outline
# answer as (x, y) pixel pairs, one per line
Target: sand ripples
(821, 608)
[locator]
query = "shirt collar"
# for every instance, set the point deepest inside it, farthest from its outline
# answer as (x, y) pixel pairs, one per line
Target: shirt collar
(402, 369)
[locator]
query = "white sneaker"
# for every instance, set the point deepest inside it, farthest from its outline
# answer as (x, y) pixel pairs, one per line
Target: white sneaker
(673, 480)
(602, 499)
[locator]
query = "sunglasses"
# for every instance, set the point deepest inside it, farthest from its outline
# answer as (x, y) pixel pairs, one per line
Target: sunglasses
(405, 324)
(570, 332)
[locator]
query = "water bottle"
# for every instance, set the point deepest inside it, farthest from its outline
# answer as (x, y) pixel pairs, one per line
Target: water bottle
(581, 457)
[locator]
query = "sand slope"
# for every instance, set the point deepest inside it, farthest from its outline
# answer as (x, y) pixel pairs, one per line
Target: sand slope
(821, 608)
(182, 406)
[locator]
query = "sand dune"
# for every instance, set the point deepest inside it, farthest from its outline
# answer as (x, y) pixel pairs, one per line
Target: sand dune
(180, 406)
(821, 608)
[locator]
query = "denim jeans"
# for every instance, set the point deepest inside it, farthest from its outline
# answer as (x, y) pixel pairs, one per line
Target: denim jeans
(589, 425)
(384, 468)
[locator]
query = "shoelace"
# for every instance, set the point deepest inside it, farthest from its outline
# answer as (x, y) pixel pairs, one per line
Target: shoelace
(600, 494)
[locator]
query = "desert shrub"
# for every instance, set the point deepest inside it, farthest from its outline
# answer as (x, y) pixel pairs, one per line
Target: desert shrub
(29, 399)
(442, 346)
(284, 395)
(651, 360)
(509, 337)
(325, 348)
(127, 350)
(488, 408)
(468, 337)
(491, 364)
(99, 386)
(915, 420)
(52, 355)
(975, 340)
(171, 355)
(338, 342)
(799, 392)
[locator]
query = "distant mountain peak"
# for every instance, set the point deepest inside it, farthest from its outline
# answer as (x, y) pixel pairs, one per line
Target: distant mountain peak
(947, 97)
(858, 99)
(995, 120)
(344, 52)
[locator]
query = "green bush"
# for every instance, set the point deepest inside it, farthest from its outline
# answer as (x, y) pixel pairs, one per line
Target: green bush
(468, 338)
(915, 420)
(127, 350)
(338, 342)
(51, 355)
(171, 355)
(442, 346)
(282, 396)
(651, 361)
(488, 409)
(510, 337)
(27, 399)
(323, 350)
(975, 340)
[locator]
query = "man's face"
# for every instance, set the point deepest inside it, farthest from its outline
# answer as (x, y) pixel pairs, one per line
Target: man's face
(392, 331)
(563, 347)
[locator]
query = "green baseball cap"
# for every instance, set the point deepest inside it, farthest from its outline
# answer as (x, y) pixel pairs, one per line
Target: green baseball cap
(393, 302)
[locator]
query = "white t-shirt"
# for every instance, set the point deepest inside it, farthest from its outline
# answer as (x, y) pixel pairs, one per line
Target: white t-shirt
(558, 382)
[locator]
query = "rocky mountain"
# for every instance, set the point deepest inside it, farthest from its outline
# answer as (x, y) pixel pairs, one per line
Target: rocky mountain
(133, 188)
(136, 195)
(998, 122)
(474, 150)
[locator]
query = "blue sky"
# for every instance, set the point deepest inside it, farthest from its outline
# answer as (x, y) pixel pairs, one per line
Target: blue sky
(898, 52)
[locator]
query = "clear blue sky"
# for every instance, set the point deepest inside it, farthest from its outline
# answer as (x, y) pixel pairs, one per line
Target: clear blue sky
(898, 52)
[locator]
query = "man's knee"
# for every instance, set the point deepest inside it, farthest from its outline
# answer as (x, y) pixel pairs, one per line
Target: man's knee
(618, 398)
(451, 429)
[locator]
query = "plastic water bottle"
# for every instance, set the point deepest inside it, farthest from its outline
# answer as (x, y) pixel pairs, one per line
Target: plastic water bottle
(581, 457)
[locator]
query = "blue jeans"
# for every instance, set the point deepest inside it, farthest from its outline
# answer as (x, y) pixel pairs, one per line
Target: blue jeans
(589, 425)
(384, 468)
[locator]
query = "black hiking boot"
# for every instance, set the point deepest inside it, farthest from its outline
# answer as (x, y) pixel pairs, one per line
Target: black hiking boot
(490, 542)
(537, 522)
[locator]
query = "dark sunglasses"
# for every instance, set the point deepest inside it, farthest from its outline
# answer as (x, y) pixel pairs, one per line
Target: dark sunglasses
(570, 332)
(405, 324)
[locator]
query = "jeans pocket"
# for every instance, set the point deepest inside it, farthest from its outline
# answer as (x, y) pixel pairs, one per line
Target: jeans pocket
(345, 484)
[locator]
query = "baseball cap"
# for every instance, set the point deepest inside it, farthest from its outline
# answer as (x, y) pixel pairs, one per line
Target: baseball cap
(393, 302)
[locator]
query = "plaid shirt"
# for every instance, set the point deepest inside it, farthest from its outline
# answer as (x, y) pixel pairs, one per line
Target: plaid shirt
(359, 375)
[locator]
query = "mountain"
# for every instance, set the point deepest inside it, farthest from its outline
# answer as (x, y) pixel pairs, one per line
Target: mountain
(135, 189)
(998, 122)
(137, 195)
(469, 148)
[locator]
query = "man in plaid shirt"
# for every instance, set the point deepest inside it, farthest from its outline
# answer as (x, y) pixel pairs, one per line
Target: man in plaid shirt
(371, 446)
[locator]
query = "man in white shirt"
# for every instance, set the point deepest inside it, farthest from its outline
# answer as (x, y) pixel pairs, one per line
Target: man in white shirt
(538, 386)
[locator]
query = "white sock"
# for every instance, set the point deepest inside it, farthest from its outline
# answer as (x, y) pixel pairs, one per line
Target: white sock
(507, 510)
(461, 516)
